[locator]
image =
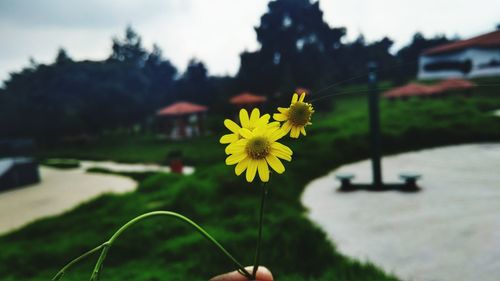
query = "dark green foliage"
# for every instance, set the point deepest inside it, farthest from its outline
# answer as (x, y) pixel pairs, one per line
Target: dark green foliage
(144, 148)
(69, 100)
(137, 176)
(75, 98)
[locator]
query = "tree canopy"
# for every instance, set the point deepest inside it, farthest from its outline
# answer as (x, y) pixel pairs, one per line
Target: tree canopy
(297, 48)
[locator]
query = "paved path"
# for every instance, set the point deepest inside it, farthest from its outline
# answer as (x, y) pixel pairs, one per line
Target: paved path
(135, 167)
(448, 231)
(59, 191)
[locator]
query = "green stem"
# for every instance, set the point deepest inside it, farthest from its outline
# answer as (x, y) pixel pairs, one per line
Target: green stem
(105, 247)
(61, 272)
(259, 239)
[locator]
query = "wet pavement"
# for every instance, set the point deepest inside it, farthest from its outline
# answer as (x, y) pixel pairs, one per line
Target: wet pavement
(448, 231)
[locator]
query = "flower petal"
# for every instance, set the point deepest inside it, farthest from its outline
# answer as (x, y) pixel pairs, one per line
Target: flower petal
(246, 133)
(283, 110)
(295, 132)
(229, 138)
(232, 126)
(301, 98)
(236, 147)
(241, 166)
(277, 134)
(274, 124)
(263, 170)
(251, 170)
(279, 117)
(275, 163)
(235, 158)
(303, 131)
(254, 116)
(286, 127)
(260, 131)
(295, 97)
(282, 147)
(263, 120)
(281, 154)
(244, 120)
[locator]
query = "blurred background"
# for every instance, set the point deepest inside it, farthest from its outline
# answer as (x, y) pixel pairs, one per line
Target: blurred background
(109, 109)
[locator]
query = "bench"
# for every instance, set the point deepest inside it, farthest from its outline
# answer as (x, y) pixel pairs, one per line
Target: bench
(410, 179)
(345, 180)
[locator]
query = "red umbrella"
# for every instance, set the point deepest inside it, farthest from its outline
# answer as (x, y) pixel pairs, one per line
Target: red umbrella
(412, 89)
(456, 84)
(247, 98)
(181, 108)
(300, 90)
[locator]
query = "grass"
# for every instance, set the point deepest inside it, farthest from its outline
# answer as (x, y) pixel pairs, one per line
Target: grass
(137, 176)
(293, 247)
(138, 148)
(61, 163)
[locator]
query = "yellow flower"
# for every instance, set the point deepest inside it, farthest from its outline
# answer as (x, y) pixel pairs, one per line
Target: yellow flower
(296, 117)
(246, 122)
(257, 150)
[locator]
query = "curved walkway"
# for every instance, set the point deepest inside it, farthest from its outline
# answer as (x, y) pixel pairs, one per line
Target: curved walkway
(59, 191)
(448, 231)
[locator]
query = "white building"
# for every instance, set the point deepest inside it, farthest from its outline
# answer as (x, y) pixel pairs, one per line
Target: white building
(474, 57)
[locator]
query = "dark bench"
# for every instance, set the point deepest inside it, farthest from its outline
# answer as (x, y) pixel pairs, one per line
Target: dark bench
(345, 180)
(410, 179)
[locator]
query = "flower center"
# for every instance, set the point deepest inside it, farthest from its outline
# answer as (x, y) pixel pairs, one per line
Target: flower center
(258, 148)
(300, 113)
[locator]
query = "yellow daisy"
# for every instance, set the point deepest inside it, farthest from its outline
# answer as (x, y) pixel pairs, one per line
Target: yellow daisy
(257, 150)
(248, 122)
(296, 117)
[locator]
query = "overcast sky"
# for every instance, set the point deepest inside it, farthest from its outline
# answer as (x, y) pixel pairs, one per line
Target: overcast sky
(215, 31)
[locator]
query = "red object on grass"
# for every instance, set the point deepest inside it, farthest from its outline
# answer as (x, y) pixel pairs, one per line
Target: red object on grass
(176, 166)
(182, 108)
(247, 98)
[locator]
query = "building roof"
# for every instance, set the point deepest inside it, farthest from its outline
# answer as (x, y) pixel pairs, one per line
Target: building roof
(488, 40)
(247, 98)
(181, 108)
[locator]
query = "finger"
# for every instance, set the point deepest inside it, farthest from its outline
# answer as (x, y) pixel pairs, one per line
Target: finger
(263, 274)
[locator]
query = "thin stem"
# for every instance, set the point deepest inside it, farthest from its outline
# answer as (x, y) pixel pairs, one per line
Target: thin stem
(105, 247)
(61, 272)
(184, 219)
(259, 239)
(100, 261)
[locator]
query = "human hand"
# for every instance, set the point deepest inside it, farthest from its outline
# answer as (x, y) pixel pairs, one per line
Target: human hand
(263, 274)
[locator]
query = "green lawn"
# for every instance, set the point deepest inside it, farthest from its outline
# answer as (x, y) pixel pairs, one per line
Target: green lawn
(227, 206)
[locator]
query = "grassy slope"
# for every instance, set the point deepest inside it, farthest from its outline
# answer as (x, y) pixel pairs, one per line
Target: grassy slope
(227, 206)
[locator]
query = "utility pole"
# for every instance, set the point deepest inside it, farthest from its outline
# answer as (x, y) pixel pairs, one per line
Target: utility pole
(410, 179)
(373, 102)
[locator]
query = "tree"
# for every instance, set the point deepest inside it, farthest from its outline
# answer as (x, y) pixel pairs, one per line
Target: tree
(408, 56)
(87, 97)
(161, 74)
(296, 44)
(129, 49)
(62, 57)
(194, 84)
